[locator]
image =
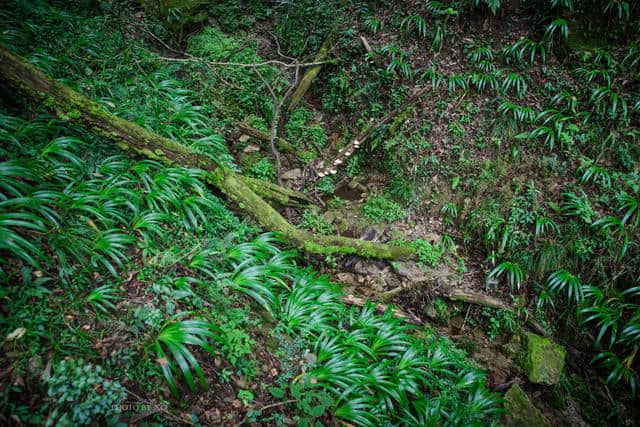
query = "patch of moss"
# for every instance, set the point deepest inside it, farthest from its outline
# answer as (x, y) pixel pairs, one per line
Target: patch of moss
(542, 359)
(520, 411)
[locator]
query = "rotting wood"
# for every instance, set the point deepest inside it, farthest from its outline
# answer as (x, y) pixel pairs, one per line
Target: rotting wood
(69, 105)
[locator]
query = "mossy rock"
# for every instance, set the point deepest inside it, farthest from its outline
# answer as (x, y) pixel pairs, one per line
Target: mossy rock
(542, 359)
(520, 411)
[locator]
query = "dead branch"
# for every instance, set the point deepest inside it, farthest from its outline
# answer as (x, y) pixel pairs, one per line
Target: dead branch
(332, 168)
(311, 74)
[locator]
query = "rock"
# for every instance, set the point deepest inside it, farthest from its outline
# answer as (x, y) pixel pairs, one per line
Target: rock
(244, 138)
(542, 359)
(520, 411)
(456, 322)
(35, 366)
(347, 279)
(367, 268)
(292, 174)
(410, 270)
(430, 311)
(513, 347)
(251, 148)
(371, 234)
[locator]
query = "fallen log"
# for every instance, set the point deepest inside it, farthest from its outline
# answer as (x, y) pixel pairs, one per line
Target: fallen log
(313, 72)
(460, 295)
(471, 297)
(281, 143)
(69, 105)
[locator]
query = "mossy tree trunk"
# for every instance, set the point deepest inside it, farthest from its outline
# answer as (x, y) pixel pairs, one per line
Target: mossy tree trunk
(313, 72)
(69, 105)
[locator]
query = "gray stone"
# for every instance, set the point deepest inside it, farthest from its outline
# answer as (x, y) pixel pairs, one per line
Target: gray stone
(292, 174)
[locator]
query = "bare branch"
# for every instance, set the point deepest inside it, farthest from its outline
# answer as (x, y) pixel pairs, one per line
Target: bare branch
(245, 65)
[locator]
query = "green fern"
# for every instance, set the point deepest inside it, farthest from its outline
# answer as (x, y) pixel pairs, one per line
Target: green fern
(173, 347)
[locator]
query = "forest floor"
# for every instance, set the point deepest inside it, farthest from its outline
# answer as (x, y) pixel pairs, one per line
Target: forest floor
(435, 178)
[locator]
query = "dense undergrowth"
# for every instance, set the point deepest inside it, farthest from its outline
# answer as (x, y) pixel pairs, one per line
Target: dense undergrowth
(125, 278)
(73, 221)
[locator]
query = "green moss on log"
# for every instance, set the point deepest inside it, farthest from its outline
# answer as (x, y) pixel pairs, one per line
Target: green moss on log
(69, 105)
(312, 73)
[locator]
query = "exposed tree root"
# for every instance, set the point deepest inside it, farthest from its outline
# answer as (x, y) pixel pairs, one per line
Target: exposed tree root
(69, 105)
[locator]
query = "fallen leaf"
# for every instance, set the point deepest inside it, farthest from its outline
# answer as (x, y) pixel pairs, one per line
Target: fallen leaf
(251, 148)
(16, 334)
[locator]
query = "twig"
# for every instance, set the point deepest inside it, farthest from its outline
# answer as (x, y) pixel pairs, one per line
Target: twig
(272, 405)
(367, 46)
(277, 108)
(382, 308)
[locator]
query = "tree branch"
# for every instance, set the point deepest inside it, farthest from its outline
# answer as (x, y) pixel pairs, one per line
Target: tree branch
(332, 168)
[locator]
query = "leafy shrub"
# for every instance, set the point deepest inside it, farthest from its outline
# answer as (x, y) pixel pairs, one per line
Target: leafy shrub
(174, 356)
(263, 169)
(428, 253)
(325, 185)
(374, 368)
(82, 395)
(499, 322)
(317, 223)
(302, 25)
(301, 134)
(381, 209)
(339, 94)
